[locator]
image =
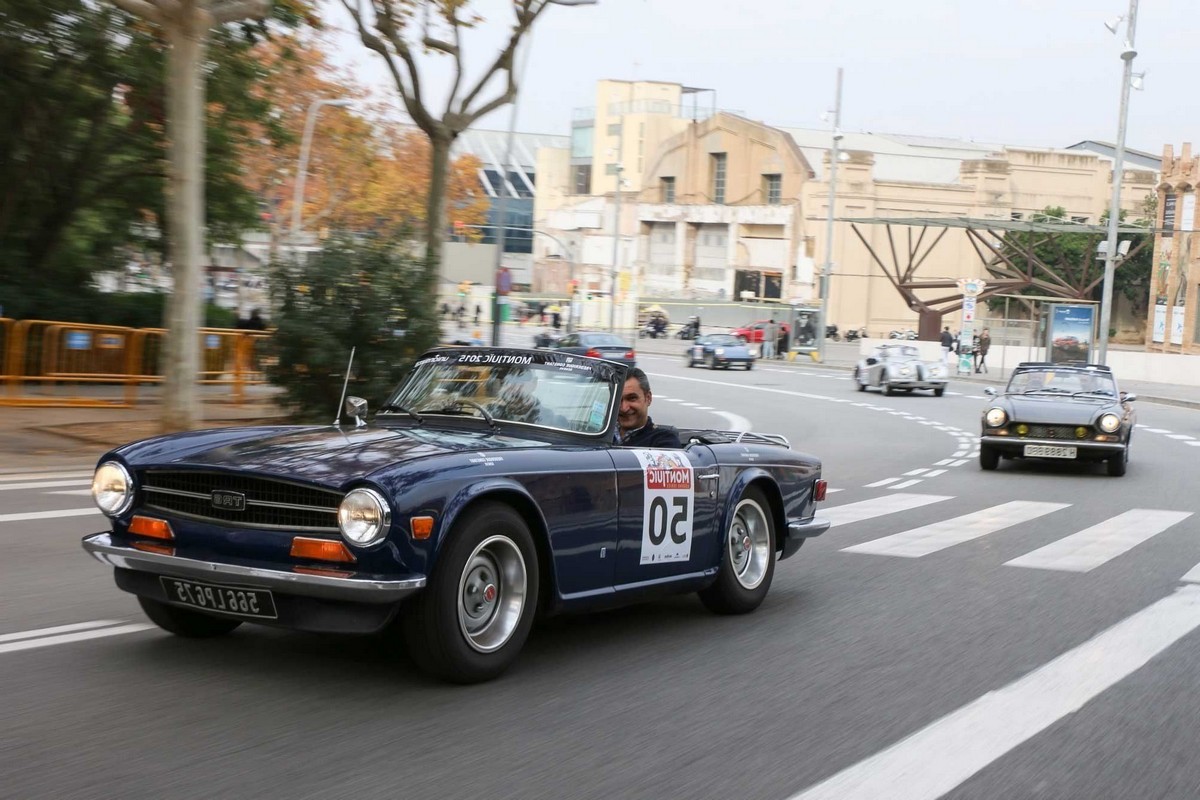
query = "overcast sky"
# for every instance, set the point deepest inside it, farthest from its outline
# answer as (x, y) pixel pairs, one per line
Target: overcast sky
(1023, 72)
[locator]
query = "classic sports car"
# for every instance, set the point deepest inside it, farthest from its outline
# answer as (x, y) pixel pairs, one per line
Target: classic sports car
(487, 490)
(1058, 411)
(597, 344)
(719, 350)
(895, 367)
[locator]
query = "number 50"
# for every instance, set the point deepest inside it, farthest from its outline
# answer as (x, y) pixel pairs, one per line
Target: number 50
(658, 520)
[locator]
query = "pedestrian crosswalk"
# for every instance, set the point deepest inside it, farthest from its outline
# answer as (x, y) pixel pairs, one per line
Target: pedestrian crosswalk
(1078, 548)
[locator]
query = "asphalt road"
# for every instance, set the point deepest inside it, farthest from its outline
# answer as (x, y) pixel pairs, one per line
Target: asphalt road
(924, 665)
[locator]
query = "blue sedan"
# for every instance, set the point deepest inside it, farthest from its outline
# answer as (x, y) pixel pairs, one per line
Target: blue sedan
(720, 350)
(486, 491)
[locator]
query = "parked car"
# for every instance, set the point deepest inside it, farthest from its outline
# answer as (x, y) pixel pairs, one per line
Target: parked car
(486, 491)
(898, 367)
(720, 350)
(1055, 411)
(753, 332)
(596, 344)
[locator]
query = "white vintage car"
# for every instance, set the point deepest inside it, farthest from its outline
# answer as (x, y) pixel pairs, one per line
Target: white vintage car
(898, 367)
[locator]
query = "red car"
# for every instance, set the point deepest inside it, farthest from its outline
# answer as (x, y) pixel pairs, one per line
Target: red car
(754, 331)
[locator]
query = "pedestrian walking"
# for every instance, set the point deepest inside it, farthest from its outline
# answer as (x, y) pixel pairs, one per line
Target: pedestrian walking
(783, 342)
(478, 311)
(947, 344)
(985, 342)
(770, 336)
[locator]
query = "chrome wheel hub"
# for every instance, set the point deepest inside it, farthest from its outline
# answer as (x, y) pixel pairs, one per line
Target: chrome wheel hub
(749, 544)
(491, 594)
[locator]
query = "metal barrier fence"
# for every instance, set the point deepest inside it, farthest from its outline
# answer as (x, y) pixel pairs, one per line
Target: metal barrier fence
(50, 363)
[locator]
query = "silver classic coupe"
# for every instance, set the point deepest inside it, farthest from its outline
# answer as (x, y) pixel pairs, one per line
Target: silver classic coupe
(898, 367)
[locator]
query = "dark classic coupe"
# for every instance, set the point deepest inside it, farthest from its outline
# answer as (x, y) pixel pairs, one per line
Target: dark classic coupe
(486, 491)
(898, 367)
(720, 350)
(1054, 411)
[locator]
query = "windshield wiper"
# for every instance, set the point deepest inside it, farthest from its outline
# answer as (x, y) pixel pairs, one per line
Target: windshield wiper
(456, 408)
(390, 407)
(1045, 389)
(1101, 392)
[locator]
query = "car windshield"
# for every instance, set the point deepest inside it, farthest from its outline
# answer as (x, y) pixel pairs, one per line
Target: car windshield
(559, 393)
(723, 340)
(1062, 381)
(900, 351)
(601, 340)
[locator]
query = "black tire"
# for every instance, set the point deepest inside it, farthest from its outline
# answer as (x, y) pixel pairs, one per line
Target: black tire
(1119, 463)
(712, 362)
(438, 635)
(691, 362)
(739, 589)
(941, 390)
(862, 387)
(989, 457)
(186, 623)
(749, 366)
(888, 390)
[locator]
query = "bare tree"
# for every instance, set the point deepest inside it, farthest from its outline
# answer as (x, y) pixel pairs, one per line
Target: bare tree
(399, 31)
(186, 24)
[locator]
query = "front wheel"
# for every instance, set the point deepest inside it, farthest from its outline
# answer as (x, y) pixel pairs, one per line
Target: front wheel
(747, 558)
(712, 362)
(473, 617)
(185, 623)
(989, 457)
(938, 392)
(862, 387)
(1117, 464)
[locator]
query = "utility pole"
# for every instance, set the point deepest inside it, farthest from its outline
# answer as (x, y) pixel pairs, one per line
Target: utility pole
(827, 271)
(1128, 53)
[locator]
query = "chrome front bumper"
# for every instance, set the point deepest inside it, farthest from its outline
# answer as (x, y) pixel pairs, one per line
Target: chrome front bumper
(1008, 443)
(353, 587)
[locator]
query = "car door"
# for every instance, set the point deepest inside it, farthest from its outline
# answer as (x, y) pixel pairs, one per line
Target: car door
(666, 514)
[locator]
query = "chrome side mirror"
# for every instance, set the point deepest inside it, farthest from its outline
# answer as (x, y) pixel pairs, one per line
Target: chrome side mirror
(1128, 398)
(990, 391)
(356, 407)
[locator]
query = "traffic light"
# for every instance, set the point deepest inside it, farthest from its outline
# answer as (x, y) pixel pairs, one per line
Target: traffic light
(572, 286)
(464, 287)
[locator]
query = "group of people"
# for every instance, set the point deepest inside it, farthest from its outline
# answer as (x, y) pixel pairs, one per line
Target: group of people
(980, 344)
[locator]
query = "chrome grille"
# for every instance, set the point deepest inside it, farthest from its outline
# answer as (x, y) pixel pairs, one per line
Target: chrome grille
(269, 503)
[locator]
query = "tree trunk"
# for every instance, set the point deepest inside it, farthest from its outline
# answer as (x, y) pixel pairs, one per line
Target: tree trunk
(435, 211)
(185, 217)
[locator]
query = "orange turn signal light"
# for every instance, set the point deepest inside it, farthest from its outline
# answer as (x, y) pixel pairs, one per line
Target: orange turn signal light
(154, 528)
(321, 550)
(151, 547)
(421, 527)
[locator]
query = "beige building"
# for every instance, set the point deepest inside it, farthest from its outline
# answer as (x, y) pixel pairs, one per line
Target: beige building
(1172, 324)
(715, 206)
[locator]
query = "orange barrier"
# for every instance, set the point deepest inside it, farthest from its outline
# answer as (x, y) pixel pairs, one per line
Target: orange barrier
(48, 363)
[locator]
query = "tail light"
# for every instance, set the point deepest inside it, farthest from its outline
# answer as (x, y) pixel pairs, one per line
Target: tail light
(630, 355)
(819, 489)
(593, 353)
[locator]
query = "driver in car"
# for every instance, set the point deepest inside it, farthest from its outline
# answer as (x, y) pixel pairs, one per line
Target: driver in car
(635, 428)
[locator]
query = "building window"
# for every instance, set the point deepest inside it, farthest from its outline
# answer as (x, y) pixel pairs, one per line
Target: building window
(773, 189)
(718, 177)
(668, 189)
(614, 129)
(581, 141)
(611, 169)
(1080, 220)
(581, 179)
(1017, 216)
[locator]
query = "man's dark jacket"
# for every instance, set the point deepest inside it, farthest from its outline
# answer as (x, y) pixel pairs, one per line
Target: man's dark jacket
(947, 339)
(652, 435)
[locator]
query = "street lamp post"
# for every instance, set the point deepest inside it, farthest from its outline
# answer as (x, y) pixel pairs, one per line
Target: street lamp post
(310, 122)
(827, 271)
(500, 210)
(1128, 53)
(616, 258)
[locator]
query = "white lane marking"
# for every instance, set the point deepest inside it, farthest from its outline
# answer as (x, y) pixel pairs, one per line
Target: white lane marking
(42, 485)
(933, 473)
(69, 512)
(672, 399)
(74, 626)
(976, 396)
(1192, 444)
(931, 538)
(906, 484)
(921, 471)
(883, 482)
(1157, 430)
(948, 751)
(1183, 437)
(67, 638)
(958, 463)
(736, 422)
(944, 462)
(879, 507)
(44, 476)
(831, 491)
(955, 394)
(959, 453)
(704, 408)
(689, 405)
(75, 492)
(1193, 575)
(1091, 547)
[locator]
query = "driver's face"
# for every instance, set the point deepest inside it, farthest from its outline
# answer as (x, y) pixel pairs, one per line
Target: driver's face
(635, 406)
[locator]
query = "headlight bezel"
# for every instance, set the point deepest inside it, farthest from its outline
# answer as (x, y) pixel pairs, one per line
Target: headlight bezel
(1115, 424)
(995, 417)
(130, 490)
(378, 529)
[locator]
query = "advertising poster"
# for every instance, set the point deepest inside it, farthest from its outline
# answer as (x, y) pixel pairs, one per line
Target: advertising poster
(1177, 324)
(1072, 332)
(1160, 323)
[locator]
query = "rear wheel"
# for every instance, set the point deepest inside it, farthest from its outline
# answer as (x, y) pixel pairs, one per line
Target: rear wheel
(182, 622)
(938, 392)
(473, 617)
(747, 558)
(989, 457)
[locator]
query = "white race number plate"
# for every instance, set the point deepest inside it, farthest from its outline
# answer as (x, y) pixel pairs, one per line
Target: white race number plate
(1049, 451)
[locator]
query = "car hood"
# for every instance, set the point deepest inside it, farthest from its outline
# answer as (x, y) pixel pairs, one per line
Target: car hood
(325, 455)
(1056, 410)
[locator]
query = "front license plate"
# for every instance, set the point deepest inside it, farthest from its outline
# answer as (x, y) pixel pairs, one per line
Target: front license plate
(1049, 451)
(224, 599)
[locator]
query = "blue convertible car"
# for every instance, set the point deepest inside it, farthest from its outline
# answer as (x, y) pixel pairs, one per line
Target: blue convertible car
(486, 491)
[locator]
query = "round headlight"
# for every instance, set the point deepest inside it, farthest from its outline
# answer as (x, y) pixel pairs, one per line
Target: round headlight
(363, 516)
(719, 351)
(995, 417)
(112, 488)
(1109, 423)
(903, 371)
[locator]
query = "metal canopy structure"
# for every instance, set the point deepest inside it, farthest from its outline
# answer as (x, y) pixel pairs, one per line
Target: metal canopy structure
(989, 239)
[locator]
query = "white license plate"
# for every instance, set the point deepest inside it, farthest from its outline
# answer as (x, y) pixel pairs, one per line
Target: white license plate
(1049, 451)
